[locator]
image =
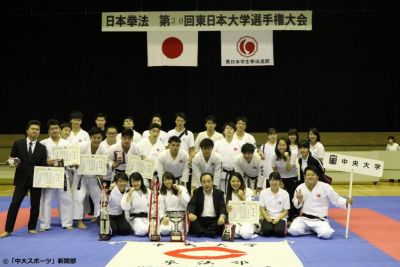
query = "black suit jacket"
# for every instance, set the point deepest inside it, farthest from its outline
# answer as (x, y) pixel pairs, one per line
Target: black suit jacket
(312, 161)
(24, 172)
(196, 203)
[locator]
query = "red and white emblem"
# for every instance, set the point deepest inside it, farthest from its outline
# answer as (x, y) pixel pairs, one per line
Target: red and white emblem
(247, 46)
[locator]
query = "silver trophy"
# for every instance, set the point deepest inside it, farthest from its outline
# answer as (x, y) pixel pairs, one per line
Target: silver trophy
(177, 217)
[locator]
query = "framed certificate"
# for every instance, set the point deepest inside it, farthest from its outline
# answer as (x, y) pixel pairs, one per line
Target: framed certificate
(70, 154)
(244, 212)
(48, 177)
(143, 166)
(93, 165)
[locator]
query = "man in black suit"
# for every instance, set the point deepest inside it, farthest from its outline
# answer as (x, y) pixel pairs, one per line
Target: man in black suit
(307, 159)
(207, 209)
(30, 154)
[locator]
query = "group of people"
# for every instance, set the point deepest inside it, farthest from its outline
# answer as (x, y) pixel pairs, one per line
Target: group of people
(198, 177)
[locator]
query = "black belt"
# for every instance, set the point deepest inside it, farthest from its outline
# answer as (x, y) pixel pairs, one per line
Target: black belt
(119, 171)
(228, 173)
(139, 215)
(309, 216)
(251, 178)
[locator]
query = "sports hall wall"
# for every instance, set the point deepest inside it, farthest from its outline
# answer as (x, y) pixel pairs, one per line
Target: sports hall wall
(340, 77)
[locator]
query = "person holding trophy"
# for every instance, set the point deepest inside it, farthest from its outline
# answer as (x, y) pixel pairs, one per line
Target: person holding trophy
(173, 201)
(136, 201)
(237, 191)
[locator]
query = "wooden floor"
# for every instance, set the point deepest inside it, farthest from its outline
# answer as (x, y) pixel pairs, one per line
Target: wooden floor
(381, 189)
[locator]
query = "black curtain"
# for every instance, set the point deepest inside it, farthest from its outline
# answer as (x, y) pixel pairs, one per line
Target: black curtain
(341, 76)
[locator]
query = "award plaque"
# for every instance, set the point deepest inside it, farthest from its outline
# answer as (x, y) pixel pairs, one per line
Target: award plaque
(119, 156)
(229, 232)
(154, 235)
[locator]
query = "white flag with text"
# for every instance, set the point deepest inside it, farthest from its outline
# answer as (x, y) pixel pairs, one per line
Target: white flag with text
(247, 48)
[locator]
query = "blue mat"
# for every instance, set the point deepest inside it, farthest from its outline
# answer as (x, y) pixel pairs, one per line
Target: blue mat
(82, 246)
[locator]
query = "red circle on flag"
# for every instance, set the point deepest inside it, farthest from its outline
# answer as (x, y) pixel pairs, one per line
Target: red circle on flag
(247, 46)
(172, 47)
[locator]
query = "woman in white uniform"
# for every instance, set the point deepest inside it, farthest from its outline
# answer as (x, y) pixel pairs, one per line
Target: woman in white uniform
(136, 201)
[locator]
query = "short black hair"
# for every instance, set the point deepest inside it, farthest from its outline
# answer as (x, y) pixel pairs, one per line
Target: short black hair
(154, 125)
(128, 118)
(120, 175)
(210, 118)
(304, 144)
(230, 124)
(275, 176)
(391, 137)
(65, 125)
(311, 168)
(76, 115)
(101, 115)
(248, 148)
(204, 174)
(33, 122)
(207, 143)
(241, 118)
(180, 114)
(175, 139)
(127, 132)
(52, 122)
(94, 131)
(272, 130)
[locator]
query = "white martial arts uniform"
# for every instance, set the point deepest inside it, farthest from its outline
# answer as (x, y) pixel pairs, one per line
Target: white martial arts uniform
(136, 137)
(187, 139)
(178, 166)
(317, 150)
(163, 137)
(393, 147)
(105, 146)
(88, 183)
(252, 172)
(151, 152)
(228, 151)
(81, 136)
(203, 135)
(246, 138)
(200, 165)
(268, 150)
(114, 202)
(315, 203)
(139, 204)
(64, 198)
(244, 230)
(171, 202)
(133, 150)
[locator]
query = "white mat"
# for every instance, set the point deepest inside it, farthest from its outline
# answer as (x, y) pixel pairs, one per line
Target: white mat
(256, 254)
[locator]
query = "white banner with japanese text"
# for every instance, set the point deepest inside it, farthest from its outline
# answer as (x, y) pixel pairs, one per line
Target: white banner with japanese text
(340, 162)
(248, 20)
(247, 48)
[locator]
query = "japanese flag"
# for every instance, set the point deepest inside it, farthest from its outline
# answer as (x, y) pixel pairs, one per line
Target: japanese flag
(172, 48)
(247, 48)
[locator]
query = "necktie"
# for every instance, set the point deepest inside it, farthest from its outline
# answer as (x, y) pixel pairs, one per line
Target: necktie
(30, 149)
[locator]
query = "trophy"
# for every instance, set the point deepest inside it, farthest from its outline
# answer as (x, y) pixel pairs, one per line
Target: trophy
(119, 157)
(105, 233)
(229, 232)
(13, 161)
(177, 217)
(58, 163)
(153, 214)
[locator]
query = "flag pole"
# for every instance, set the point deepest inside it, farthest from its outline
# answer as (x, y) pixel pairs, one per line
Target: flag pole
(349, 206)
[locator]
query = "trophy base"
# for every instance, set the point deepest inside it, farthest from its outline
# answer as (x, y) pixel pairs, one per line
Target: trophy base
(104, 237)
(155, 238)
(176, 237)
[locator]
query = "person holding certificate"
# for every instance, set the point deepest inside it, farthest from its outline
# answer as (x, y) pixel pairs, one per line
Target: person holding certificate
(173, 197)
(274, 204)
(88, 183)
(237, 191)
(136, 201)
(207, 210)
(63, 195)
(25, 155)
(119, 152)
